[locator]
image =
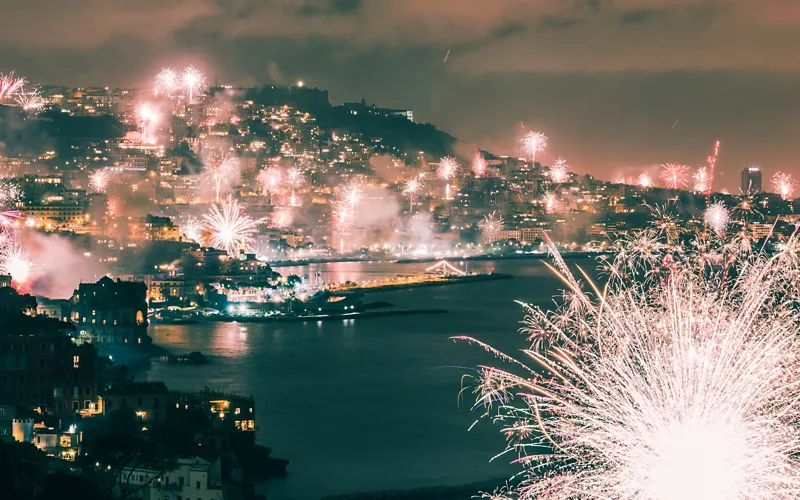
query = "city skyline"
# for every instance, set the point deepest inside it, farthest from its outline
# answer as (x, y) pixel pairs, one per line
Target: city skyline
(696, 75)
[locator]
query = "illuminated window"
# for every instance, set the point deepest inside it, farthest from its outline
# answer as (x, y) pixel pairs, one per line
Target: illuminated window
(76, 361)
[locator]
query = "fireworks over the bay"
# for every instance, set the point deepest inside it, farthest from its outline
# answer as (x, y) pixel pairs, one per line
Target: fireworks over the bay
(559, 172)
(684, 387)
(534, 143)
(673, 175)
(717, 217)
(644, 180)
(411, 188)
(783, 184)
(491, 226)
(231, 229)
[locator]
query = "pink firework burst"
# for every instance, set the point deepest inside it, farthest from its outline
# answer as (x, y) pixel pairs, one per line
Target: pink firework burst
(783, 184)
(674, 175)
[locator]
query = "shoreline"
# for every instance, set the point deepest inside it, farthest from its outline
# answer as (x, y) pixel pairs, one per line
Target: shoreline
(424, 260)
(457, 280)
(325, 317)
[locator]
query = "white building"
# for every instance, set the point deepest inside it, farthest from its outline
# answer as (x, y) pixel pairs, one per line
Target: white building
(193, 479)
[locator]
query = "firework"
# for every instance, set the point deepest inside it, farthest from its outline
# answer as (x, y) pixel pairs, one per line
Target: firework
(167, 82)
(550, 202)
(193, 81)
(700, 180)
(10, 196)
(479, 165)
(674, 175)
(644, 180)
(353, 194)
(15, 261)
(746, 207)
(711, 161)
(448, 168)
(534, 143)
(490, 227)
(282, 217)
(29, 100)
(559, 172)
(411, 188)
(99, 180)
(192, 229)
(683, 388)
(783, 184)
(10, 86)
(295, 178)
(717, 217)
(231, 229)
(269, 179)
(220, 169)
(148, 119)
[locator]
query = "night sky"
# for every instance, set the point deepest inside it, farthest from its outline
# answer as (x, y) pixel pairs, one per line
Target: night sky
(606, 80)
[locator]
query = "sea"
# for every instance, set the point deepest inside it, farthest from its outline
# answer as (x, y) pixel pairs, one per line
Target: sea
(373, 404)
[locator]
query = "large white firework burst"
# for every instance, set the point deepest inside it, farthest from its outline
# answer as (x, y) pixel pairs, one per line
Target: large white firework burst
(167, 82)
(685, 387)
(10, 85)
(231, 229)
(700, 180)
(15, 261)
(534, 143)
(29, 100)
(448, 168)
(491, 226)
(717, 216)
(99, 179)
(192, 229)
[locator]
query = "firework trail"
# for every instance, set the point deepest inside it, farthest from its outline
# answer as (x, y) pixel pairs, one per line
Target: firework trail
(700, 180)
(353, 195)
(644, 180)
(231, 229)
(717, 217)
(674, 175)
(479, 165)
(411, 188)
(295, 178)
(448, 168)
(99, 180)
(167, 82)
(681, 388)
(29, 100)
(559, 172)
(10, 86)
(148, 119)
(491, 226)
(747, 208)
(220, 169)
(783, 184)
(193, 82)
(711, 161)
(534, 143)
(192, 229)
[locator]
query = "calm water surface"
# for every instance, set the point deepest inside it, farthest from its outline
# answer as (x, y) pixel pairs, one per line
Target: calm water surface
(371, 404)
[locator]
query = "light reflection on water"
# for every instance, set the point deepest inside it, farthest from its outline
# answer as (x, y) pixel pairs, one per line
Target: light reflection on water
(371, 404)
